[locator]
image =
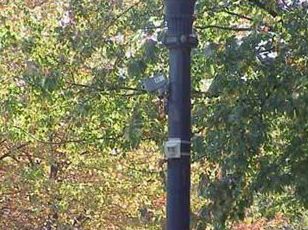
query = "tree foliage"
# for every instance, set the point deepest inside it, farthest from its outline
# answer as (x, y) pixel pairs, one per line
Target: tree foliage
(79, 136)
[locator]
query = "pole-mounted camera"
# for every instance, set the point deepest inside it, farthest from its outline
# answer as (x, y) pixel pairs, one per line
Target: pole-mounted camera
(157, 83)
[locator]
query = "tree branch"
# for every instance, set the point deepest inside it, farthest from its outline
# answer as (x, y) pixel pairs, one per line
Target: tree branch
(121, 15)
(264, 7)
(107, 91)
(224, 28)
(11, 150)
(238, 15)
(62, 142)
(1, 142)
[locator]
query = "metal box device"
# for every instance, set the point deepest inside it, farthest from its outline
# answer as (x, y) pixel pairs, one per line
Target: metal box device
(154, 83)
(173, 148)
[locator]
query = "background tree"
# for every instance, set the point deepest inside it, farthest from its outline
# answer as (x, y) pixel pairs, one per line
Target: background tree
(81, 142)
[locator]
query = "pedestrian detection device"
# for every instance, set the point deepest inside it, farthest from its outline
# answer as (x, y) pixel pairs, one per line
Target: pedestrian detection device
(173, 148)
(156, 83)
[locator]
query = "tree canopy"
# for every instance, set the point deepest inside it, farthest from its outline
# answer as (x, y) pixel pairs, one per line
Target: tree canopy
(81, 142)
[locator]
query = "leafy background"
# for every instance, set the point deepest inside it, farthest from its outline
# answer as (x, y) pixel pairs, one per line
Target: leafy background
(81, 142)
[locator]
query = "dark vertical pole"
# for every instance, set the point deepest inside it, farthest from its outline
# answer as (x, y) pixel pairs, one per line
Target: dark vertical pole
(179, 41)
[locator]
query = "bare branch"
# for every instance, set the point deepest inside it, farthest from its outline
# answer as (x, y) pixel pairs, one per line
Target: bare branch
(2, 141)
(238, 15)
(13, 149)
(264, 7)
(121, 15)
(62, 142)
(108, 89)
(111, 90)
(225, 28)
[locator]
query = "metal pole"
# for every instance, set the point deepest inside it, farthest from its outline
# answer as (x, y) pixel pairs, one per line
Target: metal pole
(179, 40)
